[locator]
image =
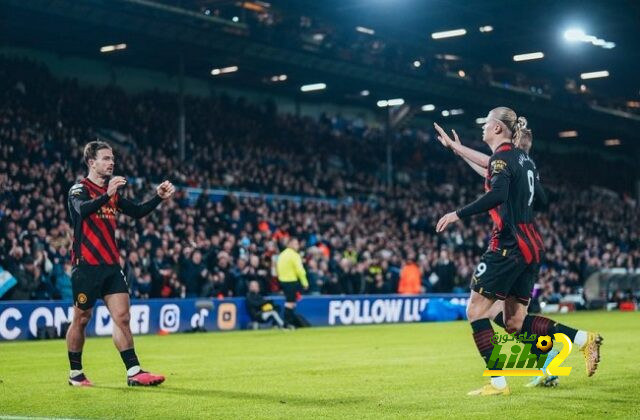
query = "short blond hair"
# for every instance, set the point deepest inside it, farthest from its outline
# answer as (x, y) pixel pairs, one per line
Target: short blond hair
(526, 140)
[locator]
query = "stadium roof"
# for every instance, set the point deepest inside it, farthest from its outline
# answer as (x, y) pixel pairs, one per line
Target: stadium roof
(213, 34)
(517, 27)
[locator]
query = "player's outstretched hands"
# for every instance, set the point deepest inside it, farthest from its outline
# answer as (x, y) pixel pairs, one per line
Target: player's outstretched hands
(115, 183)
(165, 190)
(446, 220)
(444, 138)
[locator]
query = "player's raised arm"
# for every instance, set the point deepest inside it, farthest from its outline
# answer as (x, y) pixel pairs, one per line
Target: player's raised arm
(454, 144)
(479, 169)
(476, 157)
(164, 191)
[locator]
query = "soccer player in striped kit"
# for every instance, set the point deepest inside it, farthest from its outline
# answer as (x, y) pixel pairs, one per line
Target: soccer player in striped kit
(507, 271)
(94, 204)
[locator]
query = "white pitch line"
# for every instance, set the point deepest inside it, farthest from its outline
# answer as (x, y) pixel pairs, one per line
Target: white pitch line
(3, 417)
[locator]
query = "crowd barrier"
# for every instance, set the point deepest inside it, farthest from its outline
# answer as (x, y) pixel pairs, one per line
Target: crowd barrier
(20, 320)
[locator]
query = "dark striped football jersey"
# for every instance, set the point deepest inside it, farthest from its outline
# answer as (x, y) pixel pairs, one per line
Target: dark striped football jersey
(94, 219)
(513, 220)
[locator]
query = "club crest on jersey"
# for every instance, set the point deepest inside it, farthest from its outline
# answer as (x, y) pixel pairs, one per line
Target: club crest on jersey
(498, 166)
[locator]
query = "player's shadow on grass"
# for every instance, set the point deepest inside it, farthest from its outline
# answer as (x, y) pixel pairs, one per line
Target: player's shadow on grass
(241, 395)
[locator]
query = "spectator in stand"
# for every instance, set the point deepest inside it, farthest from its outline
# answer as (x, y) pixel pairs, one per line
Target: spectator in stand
(445, 272)
(410, 278)
(193, 272)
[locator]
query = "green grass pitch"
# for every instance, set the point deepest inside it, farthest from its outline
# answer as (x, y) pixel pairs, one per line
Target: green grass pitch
(401, 371)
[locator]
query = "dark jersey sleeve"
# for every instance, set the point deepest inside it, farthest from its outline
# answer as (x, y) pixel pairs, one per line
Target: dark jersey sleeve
(540, 200)
(81, 205)
(500, 178)
(138, 210)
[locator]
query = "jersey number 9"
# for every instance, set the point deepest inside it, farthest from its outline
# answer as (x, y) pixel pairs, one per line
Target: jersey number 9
(530, 180)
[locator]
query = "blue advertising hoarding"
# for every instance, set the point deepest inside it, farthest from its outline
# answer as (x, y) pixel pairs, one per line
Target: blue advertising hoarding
(21, 319)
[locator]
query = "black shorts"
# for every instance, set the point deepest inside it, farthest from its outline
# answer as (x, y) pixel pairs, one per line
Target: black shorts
(504, 273)
(290, 289)
(92, 282)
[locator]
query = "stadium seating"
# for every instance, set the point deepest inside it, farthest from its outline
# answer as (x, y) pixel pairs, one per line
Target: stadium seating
(357, 234)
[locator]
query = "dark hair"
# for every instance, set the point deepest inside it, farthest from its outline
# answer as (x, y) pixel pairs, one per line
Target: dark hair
(91, 149)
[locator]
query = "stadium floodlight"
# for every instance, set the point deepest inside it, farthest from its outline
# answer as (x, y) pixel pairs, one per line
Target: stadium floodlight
(448, 57)
(594, 75)
(481, 120)
(451, 112)
(574, 34)
(568, 134)
(111, 48)
(279, 78)
(224, 70)
(235, 19)
(417, 63)
(612, 142)
(528, 56)
(428, 107)
(448, 34)
(312, 87)
(390, 102)
(486, 28)
(365, 30)
(579, 35)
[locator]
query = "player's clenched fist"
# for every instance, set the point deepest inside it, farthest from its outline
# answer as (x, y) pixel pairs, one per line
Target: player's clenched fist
(115, 183)
(165, 190)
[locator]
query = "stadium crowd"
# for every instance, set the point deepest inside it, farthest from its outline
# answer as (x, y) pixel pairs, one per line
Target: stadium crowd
(357, 235)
